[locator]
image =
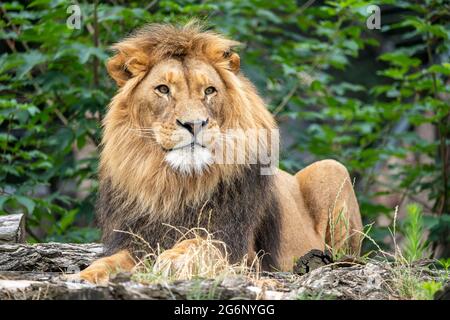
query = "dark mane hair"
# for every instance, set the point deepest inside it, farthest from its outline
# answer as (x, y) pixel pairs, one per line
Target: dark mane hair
(241, 213)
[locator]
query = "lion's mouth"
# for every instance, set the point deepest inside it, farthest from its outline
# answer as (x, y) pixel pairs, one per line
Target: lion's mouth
(188, 145)
(190, 158)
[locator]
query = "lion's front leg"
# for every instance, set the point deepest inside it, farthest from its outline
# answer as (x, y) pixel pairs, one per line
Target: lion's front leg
(100, 270)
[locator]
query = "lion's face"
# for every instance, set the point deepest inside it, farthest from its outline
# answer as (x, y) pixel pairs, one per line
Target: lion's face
(180, 109)
(181, 95)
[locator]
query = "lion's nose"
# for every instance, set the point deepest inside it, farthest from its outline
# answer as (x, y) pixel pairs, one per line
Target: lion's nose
(193, 127)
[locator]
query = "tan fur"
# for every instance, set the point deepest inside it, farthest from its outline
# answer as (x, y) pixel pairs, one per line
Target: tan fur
(136, 137)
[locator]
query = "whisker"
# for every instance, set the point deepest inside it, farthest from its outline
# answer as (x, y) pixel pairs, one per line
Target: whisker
(143, 132)
(141, 129)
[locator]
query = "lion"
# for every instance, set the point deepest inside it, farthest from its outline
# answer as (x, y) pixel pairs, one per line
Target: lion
(180, 90)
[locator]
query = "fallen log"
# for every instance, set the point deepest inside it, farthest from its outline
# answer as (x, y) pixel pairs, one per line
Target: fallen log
(48, 257)
(35, 272)
(12, 228)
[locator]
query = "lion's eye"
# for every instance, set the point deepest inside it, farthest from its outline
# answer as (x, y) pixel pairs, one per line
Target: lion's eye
(210, 90)
(163, 89)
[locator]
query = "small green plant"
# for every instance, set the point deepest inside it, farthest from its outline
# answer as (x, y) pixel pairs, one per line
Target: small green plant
(428, 289)
(444, 264)
(415, 246)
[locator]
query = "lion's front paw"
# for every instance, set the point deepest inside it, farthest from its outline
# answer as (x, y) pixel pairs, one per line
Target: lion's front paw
(173, 260)
(94, 274)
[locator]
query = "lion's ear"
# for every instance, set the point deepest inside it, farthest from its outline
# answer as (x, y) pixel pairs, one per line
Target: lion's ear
(124, 66)
(233, 60)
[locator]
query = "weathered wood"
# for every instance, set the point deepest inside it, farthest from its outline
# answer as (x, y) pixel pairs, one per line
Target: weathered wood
(370, 281)
(48, 257)
(12, 228)
(35, 272)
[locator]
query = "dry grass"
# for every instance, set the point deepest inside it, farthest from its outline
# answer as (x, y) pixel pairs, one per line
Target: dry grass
(339, 229)
(206, 259)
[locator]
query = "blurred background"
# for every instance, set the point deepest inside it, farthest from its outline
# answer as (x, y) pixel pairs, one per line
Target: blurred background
(376, 99)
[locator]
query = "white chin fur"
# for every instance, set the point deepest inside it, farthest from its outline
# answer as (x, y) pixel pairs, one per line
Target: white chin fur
(188, 160)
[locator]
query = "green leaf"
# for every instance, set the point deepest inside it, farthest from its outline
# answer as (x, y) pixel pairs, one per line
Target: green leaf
(441, 68)
(67, 219)
(400, 59)
(30, 60)
(3, 199)
(28, 203)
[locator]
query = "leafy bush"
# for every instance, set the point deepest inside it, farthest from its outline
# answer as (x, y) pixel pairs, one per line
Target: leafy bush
(339, 90)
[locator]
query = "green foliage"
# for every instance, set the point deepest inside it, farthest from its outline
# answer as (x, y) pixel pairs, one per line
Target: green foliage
(340, 90)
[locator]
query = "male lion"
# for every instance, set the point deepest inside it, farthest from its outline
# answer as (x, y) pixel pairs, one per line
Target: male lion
(181, 89)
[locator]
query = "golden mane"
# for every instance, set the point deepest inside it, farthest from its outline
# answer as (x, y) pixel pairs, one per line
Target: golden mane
(136, 167)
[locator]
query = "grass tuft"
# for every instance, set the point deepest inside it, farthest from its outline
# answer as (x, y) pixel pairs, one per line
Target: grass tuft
(207, 258)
